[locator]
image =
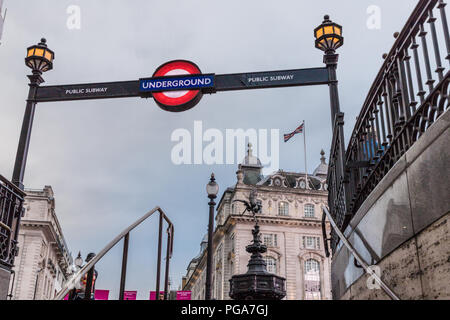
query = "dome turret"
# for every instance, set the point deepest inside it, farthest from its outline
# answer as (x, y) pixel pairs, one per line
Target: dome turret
(322, 169)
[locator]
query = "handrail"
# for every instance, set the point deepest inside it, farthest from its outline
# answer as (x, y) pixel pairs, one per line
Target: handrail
(361, 261)
(77, 276)
(4, 226)
(12, 186)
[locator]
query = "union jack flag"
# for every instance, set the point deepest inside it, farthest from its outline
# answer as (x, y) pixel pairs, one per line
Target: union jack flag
(287, 137)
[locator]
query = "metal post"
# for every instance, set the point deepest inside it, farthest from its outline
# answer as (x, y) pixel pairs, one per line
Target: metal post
(72, 294)
(25, 135)
(337, 119)
(168, 254)
(331, 60)
(158, 271)
(89, 281)
(124, 266)
(10, 295)
(209, 266)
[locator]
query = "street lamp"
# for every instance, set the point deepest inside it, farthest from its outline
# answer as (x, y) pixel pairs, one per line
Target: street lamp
(328, 36)
(39, 59)
(88, 280)
(212, 188)
(79, 260)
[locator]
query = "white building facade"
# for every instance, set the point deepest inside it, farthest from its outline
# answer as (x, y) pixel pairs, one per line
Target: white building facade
(43, 262)
(291, 228)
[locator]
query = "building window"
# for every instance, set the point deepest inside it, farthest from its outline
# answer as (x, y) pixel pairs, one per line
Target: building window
(283, 209)
(233, 209)
(270, 240)
(309, 211)
(271, 264)
(232, 242)
(311, 243)
(259, 202)
(312, 280)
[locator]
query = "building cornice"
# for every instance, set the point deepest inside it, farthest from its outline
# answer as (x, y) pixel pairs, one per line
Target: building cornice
(283, 190)
(53, 239)
(274, 220)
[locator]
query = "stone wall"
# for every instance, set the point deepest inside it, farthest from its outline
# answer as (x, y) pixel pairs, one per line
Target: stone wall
(4, 283)
(403, 226)
(419, 269)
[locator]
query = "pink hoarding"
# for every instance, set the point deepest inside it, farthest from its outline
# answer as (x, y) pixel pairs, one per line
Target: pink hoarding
(130, 295)
(183, 295)
(153, 295)
(101, 294)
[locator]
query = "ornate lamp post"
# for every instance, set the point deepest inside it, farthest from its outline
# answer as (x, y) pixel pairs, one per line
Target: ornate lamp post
(212, 188)
(79, 261)
(39, 59)
(87, 282)
(257, 283)
(328, 39)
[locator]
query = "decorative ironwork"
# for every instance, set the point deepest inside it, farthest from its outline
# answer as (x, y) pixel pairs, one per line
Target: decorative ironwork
(11, 207)
(408, 95)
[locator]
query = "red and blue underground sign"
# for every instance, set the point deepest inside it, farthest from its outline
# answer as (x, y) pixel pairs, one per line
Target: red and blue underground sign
(177, 85)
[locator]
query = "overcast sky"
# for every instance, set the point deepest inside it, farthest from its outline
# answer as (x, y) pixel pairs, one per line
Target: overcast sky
(109, 161)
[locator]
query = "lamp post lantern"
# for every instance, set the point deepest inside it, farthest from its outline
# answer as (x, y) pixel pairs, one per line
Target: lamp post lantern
(212, 188)
(39, 59)
(79, 261)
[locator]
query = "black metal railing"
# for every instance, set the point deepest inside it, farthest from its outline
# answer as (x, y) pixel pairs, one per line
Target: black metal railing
(125, 235)
(408, 95)
(11, 208)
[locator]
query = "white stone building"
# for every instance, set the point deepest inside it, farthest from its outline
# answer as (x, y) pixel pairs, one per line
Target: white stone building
(290, 226)
(43, 261)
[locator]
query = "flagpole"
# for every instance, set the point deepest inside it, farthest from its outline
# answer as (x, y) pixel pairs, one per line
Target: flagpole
(304, 143)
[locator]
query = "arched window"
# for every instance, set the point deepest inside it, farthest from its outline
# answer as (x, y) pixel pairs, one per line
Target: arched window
(283, 208)
(312, 280)
(271, 265)
(309, 211)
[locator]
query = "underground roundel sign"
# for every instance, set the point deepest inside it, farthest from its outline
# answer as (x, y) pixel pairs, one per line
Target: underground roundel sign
(177, 85)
